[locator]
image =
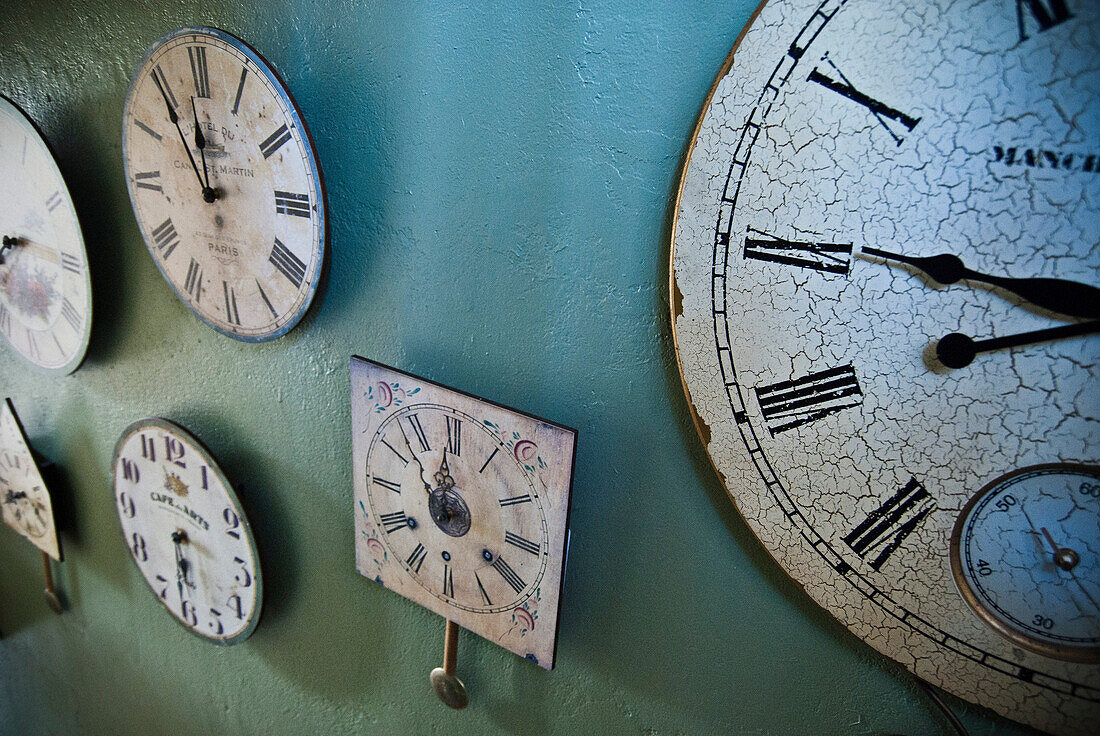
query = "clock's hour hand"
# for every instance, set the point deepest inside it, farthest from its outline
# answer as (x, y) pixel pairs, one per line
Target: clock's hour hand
(8, 242)
(176, 122)
(427, 486)
(1058, 295)
(957, 350)
(208, 194)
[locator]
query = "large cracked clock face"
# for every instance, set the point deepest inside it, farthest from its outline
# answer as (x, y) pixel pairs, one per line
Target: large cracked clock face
(862, 401)
(461, 506)
(225, 184)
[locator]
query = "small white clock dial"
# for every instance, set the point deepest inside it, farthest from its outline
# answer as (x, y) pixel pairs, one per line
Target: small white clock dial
(24, 498)
(45, 287)
(461, 506)
(1026, 555)
(224, 183)
(186, 531)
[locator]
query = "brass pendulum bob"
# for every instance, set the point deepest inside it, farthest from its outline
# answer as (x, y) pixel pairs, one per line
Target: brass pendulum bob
(444, 681)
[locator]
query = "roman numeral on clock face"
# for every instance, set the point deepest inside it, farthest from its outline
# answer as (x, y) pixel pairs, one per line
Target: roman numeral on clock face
(53, 201)
(790, 404)
(5, 321)
(148, 180)
(880, 110)
(275, 141)
(515, 500)
(387, 484)
(197, 56)
(448, 581)
(193, 283)
(1046, 13)
(147, 129)
(393, 522)
(454, 435)
(71, 263)
(165, 238)
(825, 257)
(885, 528)
(263, 295)
(231, 313)
(484, 595)
(514, 581)
(418, 432)
(395, 452)
(416, 558)
(240, 91)
(289, 203)
(517, 541)
(68, 311)
(287, 263)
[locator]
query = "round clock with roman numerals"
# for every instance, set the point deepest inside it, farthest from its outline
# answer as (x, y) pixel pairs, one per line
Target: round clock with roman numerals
(461, 506)
(224, 183)
(45, 287)
(186, 531)
(884, 301)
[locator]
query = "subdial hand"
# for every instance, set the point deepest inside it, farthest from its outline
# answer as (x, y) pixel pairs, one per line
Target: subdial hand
(1071, 298)
(956, 350)
(208, 194)
(176, 122)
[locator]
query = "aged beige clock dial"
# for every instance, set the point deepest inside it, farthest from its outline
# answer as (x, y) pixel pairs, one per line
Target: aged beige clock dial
(224, 183)
(45, 287)
(186, 531)
(885, 300)
(24, 498)
(461, 505)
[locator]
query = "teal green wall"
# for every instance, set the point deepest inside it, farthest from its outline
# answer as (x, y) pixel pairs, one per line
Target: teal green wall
(499, 182)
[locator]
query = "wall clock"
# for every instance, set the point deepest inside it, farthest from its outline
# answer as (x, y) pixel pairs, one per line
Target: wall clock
(883, 290)
(45, 287)
(24, 497)
(461, 505)
(224, 183)
(186, 531)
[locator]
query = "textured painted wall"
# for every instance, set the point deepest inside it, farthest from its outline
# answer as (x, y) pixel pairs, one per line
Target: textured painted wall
(500, 181)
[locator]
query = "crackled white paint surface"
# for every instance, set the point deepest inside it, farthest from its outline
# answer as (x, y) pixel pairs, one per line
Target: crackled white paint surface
(782, 156)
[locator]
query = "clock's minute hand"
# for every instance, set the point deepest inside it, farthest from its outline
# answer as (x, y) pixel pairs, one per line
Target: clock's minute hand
(208, 194)
(956, 350)
(176, 122)
(1058, 295)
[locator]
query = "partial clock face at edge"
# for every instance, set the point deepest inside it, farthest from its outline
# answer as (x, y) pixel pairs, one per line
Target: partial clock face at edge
(186, 531)
(24, 498)
(238, 226)
(45, 286)
(849, 446)
(461, 505)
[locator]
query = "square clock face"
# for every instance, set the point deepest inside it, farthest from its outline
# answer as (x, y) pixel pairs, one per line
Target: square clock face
(24, 498)
(462, 506)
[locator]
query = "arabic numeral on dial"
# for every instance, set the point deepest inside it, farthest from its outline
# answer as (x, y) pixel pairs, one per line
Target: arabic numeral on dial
(127, 505)
(984, 568)
(243, 578)
(216, 621)
(137, 546)
(190, 615)
(237, 604)
(148, 449)
(205, 481)
(1089, 489)
(174, 450)
(1004, 503)
(233, 521)
(164, 590)
(1042, 622)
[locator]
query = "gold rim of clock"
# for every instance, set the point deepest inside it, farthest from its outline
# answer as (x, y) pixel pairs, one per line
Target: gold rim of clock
(208, 457)
(82, 351)
(1065, 652)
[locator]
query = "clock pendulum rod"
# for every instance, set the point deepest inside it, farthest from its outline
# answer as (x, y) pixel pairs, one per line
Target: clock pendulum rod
(444, 681)
(51, 596)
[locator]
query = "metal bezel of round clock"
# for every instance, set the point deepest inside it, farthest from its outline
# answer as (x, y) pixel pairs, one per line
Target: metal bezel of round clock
(884, 299)
(225, 183)
(45, 286)
(461, 506)
(186, 531)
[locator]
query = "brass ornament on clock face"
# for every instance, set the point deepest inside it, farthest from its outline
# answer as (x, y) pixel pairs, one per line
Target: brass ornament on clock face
(186, 531)
(45, 286)
(224, 183)
(461, 506)
(884, 301)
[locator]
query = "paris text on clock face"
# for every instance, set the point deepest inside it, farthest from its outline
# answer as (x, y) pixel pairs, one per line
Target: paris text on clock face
(224, 183)
(884, 299)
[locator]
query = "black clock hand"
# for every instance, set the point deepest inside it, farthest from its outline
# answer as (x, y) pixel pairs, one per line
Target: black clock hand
(1058, 295)
(8, 242)
(956, 350)
(208, 194)
(181, 568)
(427, 486)
(176, 122)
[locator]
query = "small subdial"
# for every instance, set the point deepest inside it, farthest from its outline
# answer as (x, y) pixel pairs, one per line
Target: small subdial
(1024, 555)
